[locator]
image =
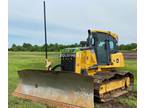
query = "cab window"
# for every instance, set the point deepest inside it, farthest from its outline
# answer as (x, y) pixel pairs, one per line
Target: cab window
(112, 44)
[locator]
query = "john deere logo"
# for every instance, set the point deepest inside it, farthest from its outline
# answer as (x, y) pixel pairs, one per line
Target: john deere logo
(117, 60)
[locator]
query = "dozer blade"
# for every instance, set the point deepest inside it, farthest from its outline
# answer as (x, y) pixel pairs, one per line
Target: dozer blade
(59, 89)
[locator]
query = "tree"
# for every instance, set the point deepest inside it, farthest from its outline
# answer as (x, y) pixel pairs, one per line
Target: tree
(27, 47)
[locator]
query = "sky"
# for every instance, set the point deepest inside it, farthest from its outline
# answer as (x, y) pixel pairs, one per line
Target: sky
(69, 20)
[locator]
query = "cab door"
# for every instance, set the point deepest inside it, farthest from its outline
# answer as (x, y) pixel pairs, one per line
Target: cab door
(102, 48)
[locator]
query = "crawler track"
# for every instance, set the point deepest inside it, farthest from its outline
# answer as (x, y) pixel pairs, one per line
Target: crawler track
(104, 78)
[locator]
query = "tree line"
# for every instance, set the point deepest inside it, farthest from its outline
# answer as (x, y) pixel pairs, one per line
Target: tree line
(58, 47)
(50, 47)
(132, 46)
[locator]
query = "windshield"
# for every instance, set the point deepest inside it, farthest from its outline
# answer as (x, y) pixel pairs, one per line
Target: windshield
(99, 39)
(103, 44)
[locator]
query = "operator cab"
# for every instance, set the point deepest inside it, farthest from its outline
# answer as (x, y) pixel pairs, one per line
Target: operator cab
(104, 44)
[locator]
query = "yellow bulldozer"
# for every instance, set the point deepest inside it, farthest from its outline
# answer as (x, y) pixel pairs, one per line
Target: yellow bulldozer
(87, 74)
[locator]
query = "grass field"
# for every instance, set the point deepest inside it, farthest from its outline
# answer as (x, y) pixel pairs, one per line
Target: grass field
(35, 60)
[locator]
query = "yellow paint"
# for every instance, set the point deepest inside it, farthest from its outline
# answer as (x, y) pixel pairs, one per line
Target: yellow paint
(84, 60)
(107, 32)
(78, 62)
(87, 58)
(113, 85)
(127, 81)
(117, 60)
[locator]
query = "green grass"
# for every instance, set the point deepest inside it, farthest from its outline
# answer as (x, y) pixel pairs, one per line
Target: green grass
(131, 100)
(131, 66)
(35, 60)
(25, 60)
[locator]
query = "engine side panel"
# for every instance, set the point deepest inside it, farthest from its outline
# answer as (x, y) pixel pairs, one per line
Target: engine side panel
(117, 60)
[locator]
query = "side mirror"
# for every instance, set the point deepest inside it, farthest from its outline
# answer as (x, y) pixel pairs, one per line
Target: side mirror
(83, 43)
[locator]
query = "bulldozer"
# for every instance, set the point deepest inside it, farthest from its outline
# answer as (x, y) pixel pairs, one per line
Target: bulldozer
(86, 74)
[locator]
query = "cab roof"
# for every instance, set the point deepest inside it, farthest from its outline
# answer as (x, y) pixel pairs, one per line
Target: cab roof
(107, 32)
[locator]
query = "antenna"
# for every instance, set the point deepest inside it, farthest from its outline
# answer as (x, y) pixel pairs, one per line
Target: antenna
(45, 29)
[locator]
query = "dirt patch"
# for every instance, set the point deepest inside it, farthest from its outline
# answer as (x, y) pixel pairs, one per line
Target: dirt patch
(110, 104)
(116, 103)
